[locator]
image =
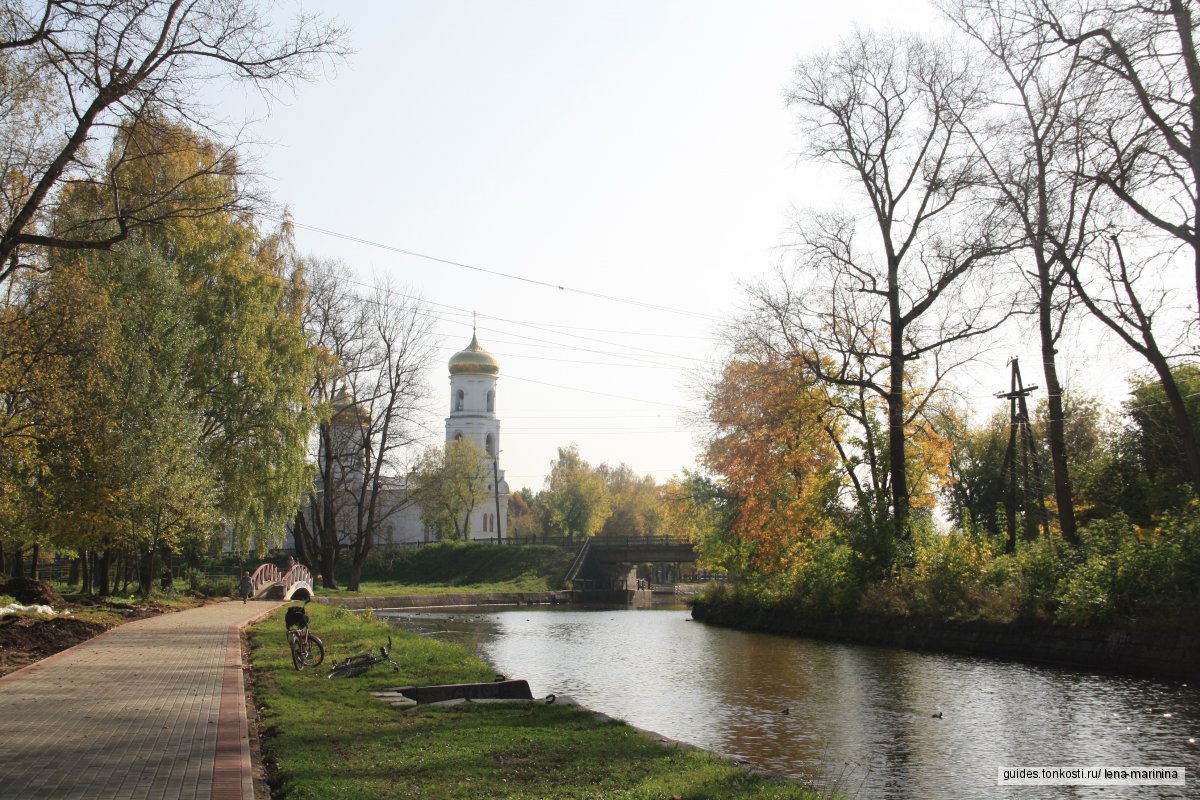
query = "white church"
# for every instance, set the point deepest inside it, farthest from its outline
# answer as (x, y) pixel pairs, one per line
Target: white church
(473, 376)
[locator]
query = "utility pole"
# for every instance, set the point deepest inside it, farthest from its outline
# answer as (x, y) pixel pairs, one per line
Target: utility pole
(496, 486)
(1035, 516)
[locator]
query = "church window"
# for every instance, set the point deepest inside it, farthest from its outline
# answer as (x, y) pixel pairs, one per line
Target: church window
(491, 401)
(489, 444)
(458, 400)
(458, 436)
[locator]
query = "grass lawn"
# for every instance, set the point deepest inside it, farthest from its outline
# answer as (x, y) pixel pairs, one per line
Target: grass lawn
(331, 739)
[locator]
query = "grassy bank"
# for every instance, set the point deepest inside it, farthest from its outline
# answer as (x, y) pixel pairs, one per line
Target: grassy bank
(459, 567)
(330, 738)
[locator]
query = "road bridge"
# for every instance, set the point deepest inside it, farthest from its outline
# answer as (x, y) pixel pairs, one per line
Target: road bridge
(610, 562)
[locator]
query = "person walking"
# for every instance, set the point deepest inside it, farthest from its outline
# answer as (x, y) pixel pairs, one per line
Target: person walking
(245, 587)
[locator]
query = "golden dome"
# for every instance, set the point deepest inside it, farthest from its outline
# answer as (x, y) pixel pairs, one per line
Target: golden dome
(474, 360)
(348, 413)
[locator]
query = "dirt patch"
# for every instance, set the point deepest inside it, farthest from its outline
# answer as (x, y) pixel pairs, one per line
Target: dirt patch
(24, 640)
(31, 592)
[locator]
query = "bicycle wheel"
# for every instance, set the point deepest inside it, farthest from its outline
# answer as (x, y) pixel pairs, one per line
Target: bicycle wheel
(297, 650)
(316, 652)
(349, 670)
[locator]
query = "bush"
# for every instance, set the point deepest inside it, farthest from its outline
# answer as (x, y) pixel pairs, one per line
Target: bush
(1127, 575)
(211, 585)
(947, 572)
(1037, 569)
(825, 577)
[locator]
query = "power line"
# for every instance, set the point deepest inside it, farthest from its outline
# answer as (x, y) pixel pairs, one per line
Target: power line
(590, 391)
(449, 262)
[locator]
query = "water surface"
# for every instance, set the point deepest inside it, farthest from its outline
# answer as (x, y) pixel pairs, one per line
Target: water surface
(859, 718)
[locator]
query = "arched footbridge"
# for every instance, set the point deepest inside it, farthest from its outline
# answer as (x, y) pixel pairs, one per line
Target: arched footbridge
(272, 583)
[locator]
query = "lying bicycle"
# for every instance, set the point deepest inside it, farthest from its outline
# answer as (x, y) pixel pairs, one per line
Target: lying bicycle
(360, 664)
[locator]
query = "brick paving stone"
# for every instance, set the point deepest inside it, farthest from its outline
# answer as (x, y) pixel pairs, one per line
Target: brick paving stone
(133, 714)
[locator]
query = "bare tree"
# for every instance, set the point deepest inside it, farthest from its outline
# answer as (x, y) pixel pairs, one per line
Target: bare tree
(370, 390)
(337, 323)
(889, 111)
(1032, 149)
(1145, 55)
(391, 385)
(1142, 148)
(74, 72)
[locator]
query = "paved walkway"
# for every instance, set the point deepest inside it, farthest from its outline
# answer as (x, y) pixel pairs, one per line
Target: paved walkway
(152, 709)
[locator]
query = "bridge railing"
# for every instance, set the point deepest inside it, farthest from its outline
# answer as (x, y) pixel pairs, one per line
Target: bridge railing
(266, 575)
(296, 574)
(640, 541)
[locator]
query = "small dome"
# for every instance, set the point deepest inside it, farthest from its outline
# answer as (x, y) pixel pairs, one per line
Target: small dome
(474, 360)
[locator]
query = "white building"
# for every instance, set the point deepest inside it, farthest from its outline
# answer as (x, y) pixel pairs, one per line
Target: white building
(473, 376)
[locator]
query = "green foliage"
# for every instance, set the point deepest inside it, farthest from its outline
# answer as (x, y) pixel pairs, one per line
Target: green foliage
(577, 499)
(212, 586)
(1154, 441)
(1130, 576)
(825, 578)
(448, 484)
(947, 571)
(635, 502)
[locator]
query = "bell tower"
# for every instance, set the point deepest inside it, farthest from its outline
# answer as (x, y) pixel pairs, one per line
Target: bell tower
(473, 376)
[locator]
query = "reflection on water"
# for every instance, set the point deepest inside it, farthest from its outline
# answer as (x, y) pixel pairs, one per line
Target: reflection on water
(858, 717)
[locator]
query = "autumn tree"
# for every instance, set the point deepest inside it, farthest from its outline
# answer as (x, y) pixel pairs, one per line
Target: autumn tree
(576, 498)
(695, 507)
(526, 517)
(892, 318)
(73, 72)
(770, 446)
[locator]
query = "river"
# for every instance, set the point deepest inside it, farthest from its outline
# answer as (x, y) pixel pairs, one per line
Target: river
(859, 719)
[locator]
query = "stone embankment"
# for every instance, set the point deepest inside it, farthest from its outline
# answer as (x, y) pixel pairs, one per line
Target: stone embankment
(1162, 654)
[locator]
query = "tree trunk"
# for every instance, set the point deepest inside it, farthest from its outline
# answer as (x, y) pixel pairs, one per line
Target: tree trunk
(34, 558)
(73, 575)
(18, 562)
(85, 564)
(896, 444)
(100, 578)
(1056, 430)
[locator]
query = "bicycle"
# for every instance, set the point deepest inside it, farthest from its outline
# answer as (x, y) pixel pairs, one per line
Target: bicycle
(307, 648)
(353, 666)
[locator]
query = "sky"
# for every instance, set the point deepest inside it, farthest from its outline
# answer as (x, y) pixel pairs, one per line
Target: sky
(604, 177)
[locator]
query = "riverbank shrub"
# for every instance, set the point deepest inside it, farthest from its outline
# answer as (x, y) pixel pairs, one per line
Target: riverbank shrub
(825, 577)
(1121, 575)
